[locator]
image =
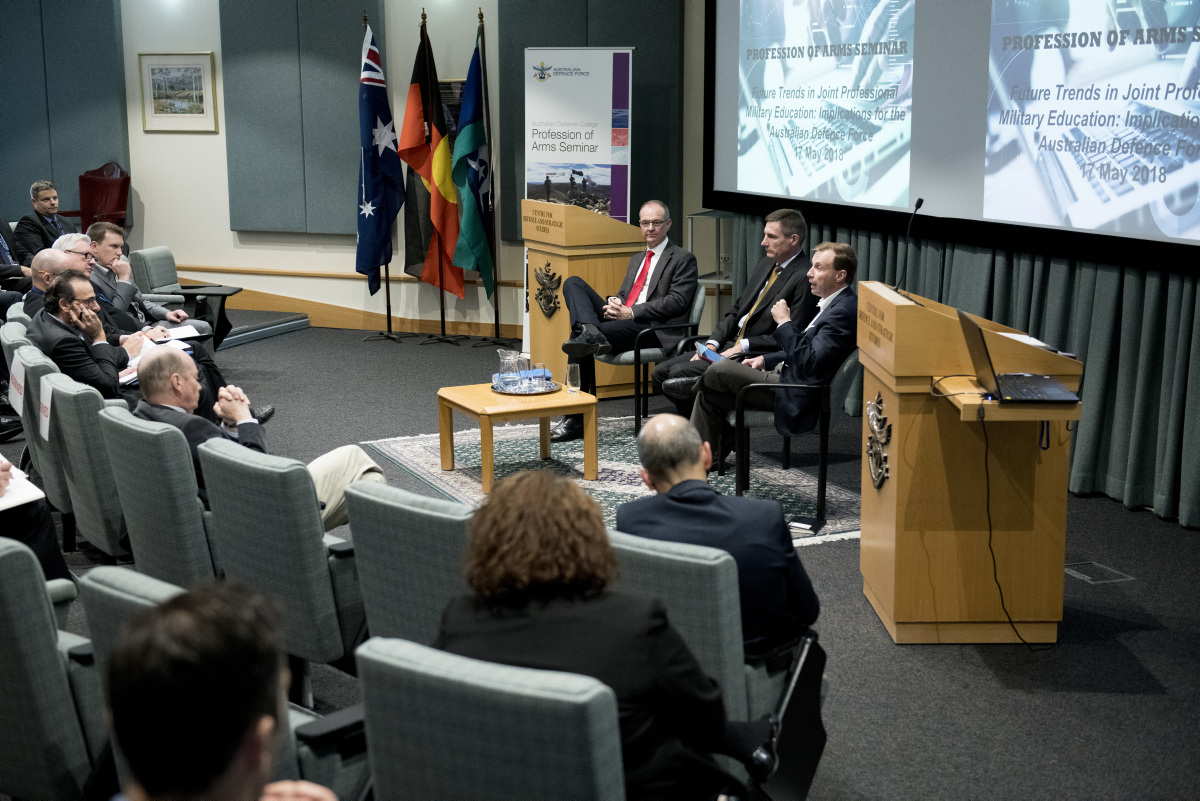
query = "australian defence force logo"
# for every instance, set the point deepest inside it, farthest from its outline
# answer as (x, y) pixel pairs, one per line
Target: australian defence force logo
(541, 71)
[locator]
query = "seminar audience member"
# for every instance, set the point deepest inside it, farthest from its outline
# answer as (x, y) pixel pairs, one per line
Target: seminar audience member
(68, 330)
(38, 229)
(746, 330)
(196, 690)
(810, 355)
(539, 564)
(30, 523)
(170, 393)
(658, 288)
(113, 278)
(777, 598)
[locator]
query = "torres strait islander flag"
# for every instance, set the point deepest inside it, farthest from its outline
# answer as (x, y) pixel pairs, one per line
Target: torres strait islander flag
(380, 173)
(426, 150)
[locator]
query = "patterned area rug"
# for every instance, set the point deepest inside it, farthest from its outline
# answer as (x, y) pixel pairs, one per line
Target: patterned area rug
(516, 448)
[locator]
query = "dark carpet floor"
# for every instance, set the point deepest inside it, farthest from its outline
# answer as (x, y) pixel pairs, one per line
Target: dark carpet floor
(1113, 711)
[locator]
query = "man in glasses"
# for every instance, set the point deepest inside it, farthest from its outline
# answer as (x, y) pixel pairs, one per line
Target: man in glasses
(658, 288)
(68, 330)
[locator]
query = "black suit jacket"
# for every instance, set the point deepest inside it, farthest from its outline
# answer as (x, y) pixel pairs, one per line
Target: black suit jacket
(812, 356)
(19, 253)
(778, 601)
(671, 714)
(672, 289)
(197, 430)
(35, 234)
(792, 286)
(97, 365)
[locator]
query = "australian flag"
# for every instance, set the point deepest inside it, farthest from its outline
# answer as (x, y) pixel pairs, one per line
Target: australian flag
(380, 174)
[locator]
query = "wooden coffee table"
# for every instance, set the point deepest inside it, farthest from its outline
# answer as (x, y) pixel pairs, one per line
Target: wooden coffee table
(489, 407)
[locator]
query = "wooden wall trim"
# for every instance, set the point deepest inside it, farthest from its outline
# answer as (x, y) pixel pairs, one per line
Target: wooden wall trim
(401, 278)
(326, 315)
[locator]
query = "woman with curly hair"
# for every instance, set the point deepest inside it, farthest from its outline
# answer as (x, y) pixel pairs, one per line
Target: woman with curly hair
(540, 563)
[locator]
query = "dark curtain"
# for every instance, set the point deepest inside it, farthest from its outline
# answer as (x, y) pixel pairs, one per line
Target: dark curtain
(1137, 331)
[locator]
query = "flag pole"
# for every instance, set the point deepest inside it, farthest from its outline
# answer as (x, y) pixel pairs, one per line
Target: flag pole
(394, 336)
(435, 96)
(495, 339)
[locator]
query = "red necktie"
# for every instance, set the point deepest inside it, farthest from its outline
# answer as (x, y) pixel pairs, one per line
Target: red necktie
(636, 292)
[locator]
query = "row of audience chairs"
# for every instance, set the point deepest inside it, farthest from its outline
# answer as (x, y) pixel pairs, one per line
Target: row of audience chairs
(552, 735)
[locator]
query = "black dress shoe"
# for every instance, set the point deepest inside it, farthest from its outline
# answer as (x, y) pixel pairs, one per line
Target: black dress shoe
(264, 414)
(9, 428)
(570, 428)
(590, 341)
(681, 389)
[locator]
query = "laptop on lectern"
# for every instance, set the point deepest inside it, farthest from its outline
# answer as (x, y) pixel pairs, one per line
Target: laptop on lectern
(1010, 387)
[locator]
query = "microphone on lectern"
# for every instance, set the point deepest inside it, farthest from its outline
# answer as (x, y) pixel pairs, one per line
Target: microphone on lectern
(907, 234)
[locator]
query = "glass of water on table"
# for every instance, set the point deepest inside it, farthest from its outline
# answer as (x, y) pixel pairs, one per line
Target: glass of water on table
(572, 377)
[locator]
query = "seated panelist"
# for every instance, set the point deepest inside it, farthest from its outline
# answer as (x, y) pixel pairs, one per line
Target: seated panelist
(658, 288)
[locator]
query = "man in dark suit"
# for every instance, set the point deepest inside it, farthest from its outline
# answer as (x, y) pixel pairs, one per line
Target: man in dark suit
(658, 288)
(747, 328)
(14, 260)
(777, 598)
(809, 356)
(170, 394)
(113, 278)
(68, 330)
(38, 230)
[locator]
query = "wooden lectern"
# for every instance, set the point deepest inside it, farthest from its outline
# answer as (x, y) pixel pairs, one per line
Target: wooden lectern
(926, 492)
(565, 241)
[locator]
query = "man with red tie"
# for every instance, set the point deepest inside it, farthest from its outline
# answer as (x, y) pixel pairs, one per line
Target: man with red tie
(658, 288)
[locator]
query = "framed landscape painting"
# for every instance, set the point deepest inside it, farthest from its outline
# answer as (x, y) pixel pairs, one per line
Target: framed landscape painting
(178, 92)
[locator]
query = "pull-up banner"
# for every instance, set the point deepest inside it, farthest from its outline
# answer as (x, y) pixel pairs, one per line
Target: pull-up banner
(577, 127)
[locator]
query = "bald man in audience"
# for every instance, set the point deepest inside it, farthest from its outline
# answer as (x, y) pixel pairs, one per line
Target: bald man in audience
(778, 601)
(170, 394)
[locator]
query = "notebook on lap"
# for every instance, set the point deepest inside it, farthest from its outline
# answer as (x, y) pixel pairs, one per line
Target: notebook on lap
(1010, 387)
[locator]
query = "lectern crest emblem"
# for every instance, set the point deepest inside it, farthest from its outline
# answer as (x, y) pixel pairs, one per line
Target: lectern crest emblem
(547, 294)
(879, 434)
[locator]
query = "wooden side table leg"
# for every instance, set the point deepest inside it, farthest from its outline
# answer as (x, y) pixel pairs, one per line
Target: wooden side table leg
(446, 433)
(590, 455)
(486, 452)
(544, 436)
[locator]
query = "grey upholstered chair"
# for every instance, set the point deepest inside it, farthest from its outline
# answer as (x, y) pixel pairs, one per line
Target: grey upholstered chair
(270, 537)
(46, 455)
(16, 314)
(699, 587)
(641, 357)
(111, 595)
(154, 272)
(169, 528)
(75, 431)
(445, 726)
(51, 701)
(411, 551)
(13, 336)
(742, 419)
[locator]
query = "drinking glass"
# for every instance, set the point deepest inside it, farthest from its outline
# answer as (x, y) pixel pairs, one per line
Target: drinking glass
(572, 378)
(539, 376)
(523, 373)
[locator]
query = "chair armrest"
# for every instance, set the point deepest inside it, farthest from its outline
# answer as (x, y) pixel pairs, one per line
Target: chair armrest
(683, 343)
(82, 654)
(637, 340)
(116, 403)
(61, 590)
(782, 655)
(163, 299)
(341, 549)
(340, 729)
(740, 407)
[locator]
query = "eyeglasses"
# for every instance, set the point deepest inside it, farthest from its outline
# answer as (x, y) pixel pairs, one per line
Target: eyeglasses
(87, 254)
(652, 223)
(92, 301)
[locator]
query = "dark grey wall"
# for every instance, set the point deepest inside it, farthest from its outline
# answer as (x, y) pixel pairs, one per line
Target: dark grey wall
(291, 70)
(64, 97)
(655, 30)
